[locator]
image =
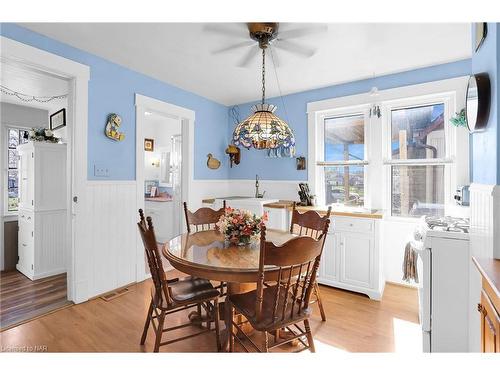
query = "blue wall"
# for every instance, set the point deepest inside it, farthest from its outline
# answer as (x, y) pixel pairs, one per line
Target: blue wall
(256, 162)
(111, 89)
(485, 153)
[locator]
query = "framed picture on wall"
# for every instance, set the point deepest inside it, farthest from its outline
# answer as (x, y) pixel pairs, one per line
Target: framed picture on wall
(149, 144)
(58, 119)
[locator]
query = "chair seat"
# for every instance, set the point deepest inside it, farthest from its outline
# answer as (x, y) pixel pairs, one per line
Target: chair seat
(245, 304)
(190, 289)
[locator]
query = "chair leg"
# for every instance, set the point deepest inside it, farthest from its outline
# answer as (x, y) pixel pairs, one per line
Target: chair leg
(266, 342)
(216, 323)
(320, 304)
(229, 326)
(146, 325)
(161, 320)
(310, 340)
(198, 309)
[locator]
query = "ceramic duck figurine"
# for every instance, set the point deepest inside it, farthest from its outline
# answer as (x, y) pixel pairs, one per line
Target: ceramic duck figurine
(212, 162)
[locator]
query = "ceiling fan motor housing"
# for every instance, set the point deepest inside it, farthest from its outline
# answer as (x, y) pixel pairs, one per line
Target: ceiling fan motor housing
(263, 32)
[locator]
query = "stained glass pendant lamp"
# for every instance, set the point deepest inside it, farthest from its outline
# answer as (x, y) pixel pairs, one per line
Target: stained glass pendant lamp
(263, 129)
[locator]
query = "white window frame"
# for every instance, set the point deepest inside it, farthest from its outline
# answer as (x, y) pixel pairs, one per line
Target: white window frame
(377, 177)
(320, 163)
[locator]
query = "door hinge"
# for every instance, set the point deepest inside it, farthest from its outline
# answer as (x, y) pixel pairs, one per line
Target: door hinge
(32, 155)
(31, 266)
(32, 202)
(31, 233)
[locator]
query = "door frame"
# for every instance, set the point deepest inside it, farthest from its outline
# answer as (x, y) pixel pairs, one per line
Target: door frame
(187, 118)
(77, 75)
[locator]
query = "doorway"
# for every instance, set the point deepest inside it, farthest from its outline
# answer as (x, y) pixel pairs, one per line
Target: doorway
(36, 68)
(164, 168)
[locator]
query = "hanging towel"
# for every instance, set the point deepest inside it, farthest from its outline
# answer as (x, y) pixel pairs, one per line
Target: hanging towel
(410, 264)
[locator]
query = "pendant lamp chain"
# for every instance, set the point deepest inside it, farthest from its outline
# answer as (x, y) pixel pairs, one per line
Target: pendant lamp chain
(263, 75)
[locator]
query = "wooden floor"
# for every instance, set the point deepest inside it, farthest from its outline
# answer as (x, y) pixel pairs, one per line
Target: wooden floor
(355, 324)
(22, 299)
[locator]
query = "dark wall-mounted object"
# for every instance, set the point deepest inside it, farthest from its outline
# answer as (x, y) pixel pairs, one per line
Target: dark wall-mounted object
(234, 155)
(57, 120)
(480, 32)
(301, 163)
(477, 107)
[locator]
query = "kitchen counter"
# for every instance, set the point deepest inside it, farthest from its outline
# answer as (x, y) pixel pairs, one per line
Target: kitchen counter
(336, 211)
(490, 270)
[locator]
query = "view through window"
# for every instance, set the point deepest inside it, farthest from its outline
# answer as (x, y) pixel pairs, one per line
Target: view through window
(418, 136)
(15, 137)
(344, 150)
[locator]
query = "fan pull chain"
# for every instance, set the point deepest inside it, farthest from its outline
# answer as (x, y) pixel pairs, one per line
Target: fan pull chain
(263, 75)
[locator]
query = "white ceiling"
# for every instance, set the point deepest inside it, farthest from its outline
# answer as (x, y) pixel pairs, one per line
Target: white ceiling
(33, 83)
(181, 53)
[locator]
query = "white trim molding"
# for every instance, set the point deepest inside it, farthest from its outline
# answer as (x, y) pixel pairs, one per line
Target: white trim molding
(187, 119)
(77, 75)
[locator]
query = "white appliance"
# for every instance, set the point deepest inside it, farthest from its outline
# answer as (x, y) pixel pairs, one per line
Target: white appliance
(443, 247)
(42, 214)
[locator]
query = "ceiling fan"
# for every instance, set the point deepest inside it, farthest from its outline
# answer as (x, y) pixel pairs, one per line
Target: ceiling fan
(264, 35)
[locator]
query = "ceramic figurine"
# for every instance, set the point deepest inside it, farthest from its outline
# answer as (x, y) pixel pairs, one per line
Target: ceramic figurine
(114, 122)
(212, 162)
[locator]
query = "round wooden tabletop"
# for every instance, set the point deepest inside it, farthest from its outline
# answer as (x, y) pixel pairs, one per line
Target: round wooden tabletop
(205, 254)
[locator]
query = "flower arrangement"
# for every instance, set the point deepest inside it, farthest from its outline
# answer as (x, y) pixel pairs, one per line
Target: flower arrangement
(240, 226)
(42, 135)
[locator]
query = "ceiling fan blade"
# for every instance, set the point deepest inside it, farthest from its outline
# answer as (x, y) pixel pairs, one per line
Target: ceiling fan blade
(227, 29)
(249, 56)
(295, 48)
(246, 43)
(297, 33)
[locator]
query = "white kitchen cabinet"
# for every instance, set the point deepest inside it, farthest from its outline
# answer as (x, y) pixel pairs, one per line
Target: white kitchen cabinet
(42, 215)
(351, 258)
(278, 218)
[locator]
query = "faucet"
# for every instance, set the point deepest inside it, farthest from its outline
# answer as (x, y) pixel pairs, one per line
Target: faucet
(257, 194)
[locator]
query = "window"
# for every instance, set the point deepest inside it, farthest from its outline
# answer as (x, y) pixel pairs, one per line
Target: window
(394, 150)
(342, 168)
(417, 160)
(15, 137)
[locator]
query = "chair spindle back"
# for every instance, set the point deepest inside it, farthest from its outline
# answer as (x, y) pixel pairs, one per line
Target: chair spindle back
(297, 263)
(146, 230)
(202, 219)
(309, 223)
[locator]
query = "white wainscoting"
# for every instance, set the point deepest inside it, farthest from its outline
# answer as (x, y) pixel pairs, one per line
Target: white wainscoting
(112, 234)
(484, 238)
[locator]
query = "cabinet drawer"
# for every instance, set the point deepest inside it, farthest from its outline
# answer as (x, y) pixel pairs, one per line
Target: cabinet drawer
(352, 224)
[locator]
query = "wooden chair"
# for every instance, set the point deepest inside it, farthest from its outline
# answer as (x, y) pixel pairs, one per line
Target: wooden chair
(311, 223)
(204, 219)
(171, 296)
(281, 300)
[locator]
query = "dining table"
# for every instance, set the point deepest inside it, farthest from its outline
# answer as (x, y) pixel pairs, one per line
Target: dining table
(206, 254)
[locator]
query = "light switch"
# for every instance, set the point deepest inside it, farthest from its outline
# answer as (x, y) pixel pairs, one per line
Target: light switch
(101, 171)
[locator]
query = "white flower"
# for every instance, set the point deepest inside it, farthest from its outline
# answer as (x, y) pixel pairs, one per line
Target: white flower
(32, 133)
(48, 133)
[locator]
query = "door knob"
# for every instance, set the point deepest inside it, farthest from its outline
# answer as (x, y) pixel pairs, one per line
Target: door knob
(75, 199)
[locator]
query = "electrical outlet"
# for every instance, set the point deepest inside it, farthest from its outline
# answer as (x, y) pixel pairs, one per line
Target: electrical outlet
(101, 171)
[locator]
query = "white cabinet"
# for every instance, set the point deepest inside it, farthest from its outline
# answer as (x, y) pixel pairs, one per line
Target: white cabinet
(356, 259)
(351, 258)
(43, 214)
(278, 218)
